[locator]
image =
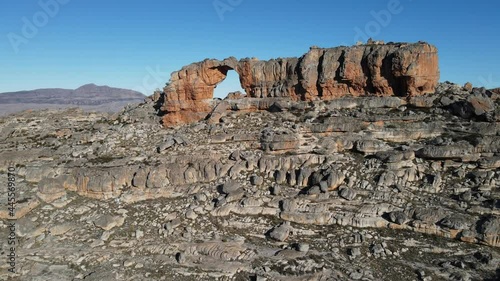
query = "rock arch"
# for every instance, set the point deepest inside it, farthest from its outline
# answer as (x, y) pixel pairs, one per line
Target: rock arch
(399, 69)
(189, 95)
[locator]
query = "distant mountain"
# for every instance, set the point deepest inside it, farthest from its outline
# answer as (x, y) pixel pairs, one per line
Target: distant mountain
(88, 97)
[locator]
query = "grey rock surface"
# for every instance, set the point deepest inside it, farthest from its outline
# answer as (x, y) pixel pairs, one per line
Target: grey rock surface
(357, 188)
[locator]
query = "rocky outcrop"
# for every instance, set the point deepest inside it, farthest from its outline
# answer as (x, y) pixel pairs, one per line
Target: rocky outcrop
(275, 194)
(321, 74)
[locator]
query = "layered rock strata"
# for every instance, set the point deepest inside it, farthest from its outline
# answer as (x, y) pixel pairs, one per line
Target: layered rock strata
(397, 69)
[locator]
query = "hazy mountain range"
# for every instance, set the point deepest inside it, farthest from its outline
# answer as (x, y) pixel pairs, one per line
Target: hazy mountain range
(88, 97)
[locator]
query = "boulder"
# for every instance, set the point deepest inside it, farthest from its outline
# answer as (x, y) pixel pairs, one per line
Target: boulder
(256, 180)
(398, 217)
(371, 146)
(480, 104)
(347, 193)
(230, 187)
(281, 232)
(489, 229)
(108, 222)
(456, 222)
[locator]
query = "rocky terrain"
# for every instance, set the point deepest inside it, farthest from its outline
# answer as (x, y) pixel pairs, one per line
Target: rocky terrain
(401, 183)
(89, 97)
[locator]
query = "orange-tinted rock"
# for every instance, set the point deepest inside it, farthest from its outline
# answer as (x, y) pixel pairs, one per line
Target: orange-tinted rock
(190, 91)
(235, 95)
(468, 87)
(321, 74)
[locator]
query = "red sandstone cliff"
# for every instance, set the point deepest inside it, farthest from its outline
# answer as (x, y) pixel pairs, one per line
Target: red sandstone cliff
(321, 74)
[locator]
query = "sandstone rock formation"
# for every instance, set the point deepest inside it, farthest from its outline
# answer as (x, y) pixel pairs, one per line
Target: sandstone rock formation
(321, 74)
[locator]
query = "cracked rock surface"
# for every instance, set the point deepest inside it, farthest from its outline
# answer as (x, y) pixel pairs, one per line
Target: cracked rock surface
(356, 188)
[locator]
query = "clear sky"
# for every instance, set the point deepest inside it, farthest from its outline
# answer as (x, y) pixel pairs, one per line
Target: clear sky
(136, 44)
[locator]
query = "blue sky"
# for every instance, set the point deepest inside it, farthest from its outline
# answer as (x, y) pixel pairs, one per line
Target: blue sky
(136, 44)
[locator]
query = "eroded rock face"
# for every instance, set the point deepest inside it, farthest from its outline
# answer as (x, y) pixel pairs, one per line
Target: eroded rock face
(189, 94)
(321, 74)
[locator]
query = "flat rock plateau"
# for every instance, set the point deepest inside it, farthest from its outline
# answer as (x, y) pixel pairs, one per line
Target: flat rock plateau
(348, 163)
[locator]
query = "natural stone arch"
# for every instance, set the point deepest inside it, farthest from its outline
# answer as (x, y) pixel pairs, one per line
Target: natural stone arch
(189, 95)
(321, 74)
